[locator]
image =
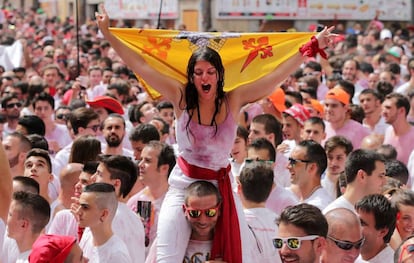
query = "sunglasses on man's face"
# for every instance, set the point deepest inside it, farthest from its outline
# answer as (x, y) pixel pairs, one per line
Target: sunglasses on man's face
(62, 116)
(12, 105)
(293, 161)
(347, 245)
(293, 243)
(94, 128)
(196, 213)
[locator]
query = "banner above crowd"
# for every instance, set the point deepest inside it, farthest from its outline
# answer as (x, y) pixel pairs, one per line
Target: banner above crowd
(246, 56)
(314, 9)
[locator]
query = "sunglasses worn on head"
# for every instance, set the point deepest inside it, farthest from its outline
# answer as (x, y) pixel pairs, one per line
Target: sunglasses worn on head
(293, 243)
(347, 245)
(196, 213)
(12, 105)
(295, 161)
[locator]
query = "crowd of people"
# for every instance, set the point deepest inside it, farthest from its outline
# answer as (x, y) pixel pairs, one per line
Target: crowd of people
(313, 162)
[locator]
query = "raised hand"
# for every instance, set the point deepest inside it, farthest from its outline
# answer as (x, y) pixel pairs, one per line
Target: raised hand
(75, 207)
(326, 37)
(102, 19)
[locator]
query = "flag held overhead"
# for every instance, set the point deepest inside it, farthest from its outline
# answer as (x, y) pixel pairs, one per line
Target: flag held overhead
(246, 56)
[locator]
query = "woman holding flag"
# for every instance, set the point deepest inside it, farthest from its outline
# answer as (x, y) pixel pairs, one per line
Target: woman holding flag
(206, 127)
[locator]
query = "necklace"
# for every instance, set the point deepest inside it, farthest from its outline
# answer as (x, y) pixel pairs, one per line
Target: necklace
(199, 117)
(313, 191)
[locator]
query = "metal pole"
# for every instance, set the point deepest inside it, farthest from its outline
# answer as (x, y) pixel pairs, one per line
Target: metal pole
(159, 16)
(77, 36)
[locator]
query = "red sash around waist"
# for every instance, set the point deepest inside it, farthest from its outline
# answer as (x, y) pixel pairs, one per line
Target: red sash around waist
(227, 241)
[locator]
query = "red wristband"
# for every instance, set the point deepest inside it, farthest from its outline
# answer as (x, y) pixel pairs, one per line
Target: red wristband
(311, 48)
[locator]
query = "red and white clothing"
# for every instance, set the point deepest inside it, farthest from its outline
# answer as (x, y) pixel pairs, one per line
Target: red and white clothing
(204, 147)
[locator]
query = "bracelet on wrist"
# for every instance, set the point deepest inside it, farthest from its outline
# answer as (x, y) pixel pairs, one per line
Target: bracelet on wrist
(311, 49)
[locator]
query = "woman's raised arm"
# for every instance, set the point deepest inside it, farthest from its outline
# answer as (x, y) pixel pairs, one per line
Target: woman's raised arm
(266, 85)
(165, 85)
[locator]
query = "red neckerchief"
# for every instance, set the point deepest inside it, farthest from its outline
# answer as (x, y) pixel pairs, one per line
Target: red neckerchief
(227, 241)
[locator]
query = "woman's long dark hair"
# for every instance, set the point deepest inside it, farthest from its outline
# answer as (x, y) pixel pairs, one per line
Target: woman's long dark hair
(191, 96)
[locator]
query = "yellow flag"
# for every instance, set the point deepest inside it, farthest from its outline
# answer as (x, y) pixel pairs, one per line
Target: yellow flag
(246, 56)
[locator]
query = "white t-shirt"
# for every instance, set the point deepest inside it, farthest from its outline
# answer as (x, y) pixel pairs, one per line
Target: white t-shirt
(129, 228)
(329, 186)
(54, 185)
(60, 135)
(10, 250)
(340, 202)
(404, 88)
(98, 90)
(61, 159)
(263, 227)
(281, 173)
(125, 152)
(279, 199)
(24, 257)
(320, 198)
(64, 223)
(410, 167)
(291, 145)
(113, 251)
(385, 255)
(197, 251)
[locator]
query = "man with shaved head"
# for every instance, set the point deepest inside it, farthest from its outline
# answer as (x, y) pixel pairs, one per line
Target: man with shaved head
(69, 176)
(344, 239)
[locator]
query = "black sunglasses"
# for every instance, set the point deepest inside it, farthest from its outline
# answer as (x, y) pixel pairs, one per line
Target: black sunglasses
(12, 105)
(293, 162)
(347, 245)
(95, 128)
(62, 116)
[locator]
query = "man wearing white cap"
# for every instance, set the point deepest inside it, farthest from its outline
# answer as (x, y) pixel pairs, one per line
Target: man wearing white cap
(386, 37)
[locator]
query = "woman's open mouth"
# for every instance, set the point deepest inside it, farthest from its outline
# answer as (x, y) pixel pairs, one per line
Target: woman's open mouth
(206, 87)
